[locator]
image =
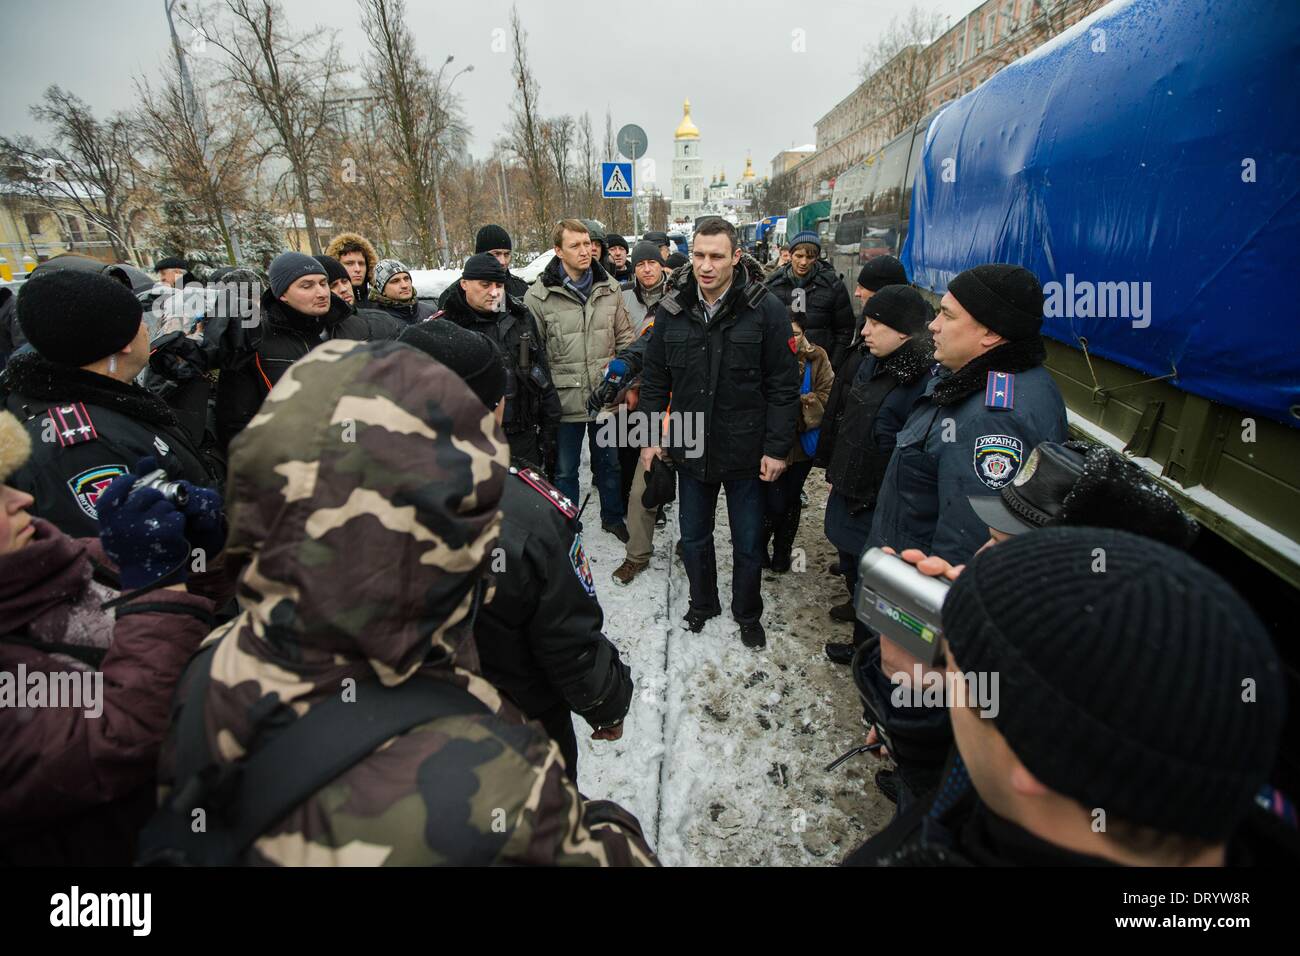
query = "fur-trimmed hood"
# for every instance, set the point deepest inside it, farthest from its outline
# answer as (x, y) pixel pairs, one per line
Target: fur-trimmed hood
(749, 269)
(354, 239)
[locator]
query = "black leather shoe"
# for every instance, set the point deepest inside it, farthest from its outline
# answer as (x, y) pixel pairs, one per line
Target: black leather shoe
(617, 530)
(752, 635)
(695, 619)
(840, 653)
(843, 613)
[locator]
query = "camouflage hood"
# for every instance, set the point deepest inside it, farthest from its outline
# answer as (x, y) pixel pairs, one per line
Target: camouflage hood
(363, 511)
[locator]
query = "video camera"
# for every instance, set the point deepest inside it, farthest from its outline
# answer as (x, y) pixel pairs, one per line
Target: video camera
(900, 602)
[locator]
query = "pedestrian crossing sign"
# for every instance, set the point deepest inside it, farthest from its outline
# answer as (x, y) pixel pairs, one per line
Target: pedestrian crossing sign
(616, 180)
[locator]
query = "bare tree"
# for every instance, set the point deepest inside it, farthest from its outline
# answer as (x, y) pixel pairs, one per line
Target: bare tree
(1040, 20)
(900, 66)
(88, 165)
(589, 186)
(404, 88)
(287, 79)
(658, 212)
(777, 196)
(204, 166)
(526, 132)
(559, 135)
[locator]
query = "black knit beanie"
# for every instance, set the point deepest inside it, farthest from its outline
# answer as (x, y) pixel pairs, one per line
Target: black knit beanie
(881, 271)
(472, 356)
(901, 308)
(484, 266)
(613, 239)
(1131, 678)
(492, 237)
(170, 262)
(75, 318)
(1004, 299)
(646, 250)
(334, 270)
(288, 267)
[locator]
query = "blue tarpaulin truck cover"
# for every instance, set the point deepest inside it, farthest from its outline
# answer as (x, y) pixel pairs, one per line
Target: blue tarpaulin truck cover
(1145, 164)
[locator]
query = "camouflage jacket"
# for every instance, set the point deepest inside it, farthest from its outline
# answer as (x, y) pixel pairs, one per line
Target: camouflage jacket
(363, 514)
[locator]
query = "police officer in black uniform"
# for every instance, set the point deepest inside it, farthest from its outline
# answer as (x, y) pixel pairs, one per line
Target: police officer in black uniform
(539, 638)
(479, 301)
(75, 393)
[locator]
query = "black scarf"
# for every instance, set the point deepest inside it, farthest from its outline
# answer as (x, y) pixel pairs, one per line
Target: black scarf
(35, 377)
(973, 376)
(911, 360)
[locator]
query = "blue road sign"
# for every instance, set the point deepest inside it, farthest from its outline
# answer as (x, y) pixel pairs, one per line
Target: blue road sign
(616, 180)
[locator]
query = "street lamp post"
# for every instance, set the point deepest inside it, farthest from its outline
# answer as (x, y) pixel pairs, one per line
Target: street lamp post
(437, 153)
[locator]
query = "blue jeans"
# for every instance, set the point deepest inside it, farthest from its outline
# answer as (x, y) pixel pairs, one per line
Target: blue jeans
(604, 466)
(697, 507)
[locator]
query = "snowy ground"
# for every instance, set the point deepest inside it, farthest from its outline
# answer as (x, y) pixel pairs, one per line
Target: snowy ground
(723, 753)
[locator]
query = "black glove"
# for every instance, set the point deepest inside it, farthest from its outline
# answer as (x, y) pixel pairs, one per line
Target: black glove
(603, 394)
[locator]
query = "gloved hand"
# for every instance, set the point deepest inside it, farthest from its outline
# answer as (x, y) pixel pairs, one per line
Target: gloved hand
(205, 519)
(603, 394)
(143, 533)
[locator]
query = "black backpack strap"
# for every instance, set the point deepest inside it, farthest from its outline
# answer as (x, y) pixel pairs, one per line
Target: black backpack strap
(250, 796)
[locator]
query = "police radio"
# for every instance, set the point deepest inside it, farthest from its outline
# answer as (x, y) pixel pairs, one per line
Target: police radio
(900, 602)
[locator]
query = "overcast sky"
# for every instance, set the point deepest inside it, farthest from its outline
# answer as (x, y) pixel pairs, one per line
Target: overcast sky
(750, 89)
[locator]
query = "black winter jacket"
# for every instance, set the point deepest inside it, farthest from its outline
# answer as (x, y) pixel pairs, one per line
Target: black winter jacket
(869, 403)
(827, 318)
(532, 404)
(408, 313)
(98, 428)
(953, 827)
(539, 639)
(735, 374)
(252, 360)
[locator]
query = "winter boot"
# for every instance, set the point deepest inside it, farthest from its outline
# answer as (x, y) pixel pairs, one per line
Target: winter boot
(752, 635)
(628, 570)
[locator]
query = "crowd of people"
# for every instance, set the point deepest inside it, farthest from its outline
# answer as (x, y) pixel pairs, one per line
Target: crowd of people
(310, 506)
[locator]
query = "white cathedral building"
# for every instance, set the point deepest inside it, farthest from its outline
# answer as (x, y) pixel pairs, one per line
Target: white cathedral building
(692, 196)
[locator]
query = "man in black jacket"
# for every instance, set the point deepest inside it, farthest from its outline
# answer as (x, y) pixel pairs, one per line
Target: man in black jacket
(292, 317)
(810, 287)
(720, 348)
(1099, 714)
(495, 241)
(539, 638)
(393, 292)
(75, 394)
(870, 400)
(478, 301)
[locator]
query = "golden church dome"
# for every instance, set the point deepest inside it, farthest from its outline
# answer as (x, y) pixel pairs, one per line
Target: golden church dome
(686, 129)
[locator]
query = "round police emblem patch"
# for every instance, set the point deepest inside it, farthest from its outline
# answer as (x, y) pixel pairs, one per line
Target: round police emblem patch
(997, 459)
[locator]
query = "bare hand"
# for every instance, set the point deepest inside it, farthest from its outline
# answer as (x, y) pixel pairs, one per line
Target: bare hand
(770, 469)
(608, 733)
(650, 454)
(929, 564)
(873, 737)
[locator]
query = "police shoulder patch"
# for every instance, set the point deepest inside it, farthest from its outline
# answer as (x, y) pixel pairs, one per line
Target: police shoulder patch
(72, 424)
(997, 459)
(1000, 390)
(578, 558)
(547, 490)
(90, 484)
